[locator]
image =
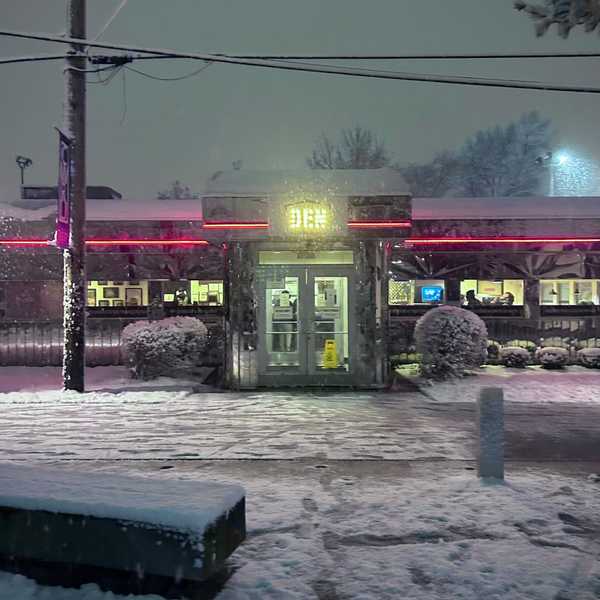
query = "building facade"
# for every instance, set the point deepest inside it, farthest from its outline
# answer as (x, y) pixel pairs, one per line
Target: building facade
(307, 278)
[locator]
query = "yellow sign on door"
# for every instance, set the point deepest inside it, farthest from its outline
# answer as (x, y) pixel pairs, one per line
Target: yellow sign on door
(330, 355)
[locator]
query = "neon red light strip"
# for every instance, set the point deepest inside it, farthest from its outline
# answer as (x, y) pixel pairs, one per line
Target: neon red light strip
(126, 242)
(261, 225)
(416, 241)
(502, 240)
(24, 242)
(146, 242)
(378, 224)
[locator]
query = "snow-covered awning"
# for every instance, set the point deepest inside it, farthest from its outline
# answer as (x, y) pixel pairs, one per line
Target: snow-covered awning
(117, 210)
(336, 182)
(527, 207)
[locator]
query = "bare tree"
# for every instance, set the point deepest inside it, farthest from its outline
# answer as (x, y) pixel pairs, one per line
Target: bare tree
(566, 14)
(357, 148)
(177, 191)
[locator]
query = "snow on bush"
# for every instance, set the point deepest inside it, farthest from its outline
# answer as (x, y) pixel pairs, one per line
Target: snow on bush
(589, 357)
(552, 357)
(527, 344)
(514, 356)
(165, 347)
(450, 340)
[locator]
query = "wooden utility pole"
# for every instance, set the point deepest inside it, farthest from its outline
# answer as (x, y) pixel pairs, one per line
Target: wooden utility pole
(74, 257)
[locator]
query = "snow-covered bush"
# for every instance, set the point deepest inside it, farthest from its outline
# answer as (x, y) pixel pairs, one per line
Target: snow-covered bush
(450, 340)
(551, 357)
(589, 357)
(166, 347)
(513, 356)
(527, 344)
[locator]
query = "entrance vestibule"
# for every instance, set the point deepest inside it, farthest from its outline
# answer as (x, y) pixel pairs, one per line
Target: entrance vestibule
(305, 319)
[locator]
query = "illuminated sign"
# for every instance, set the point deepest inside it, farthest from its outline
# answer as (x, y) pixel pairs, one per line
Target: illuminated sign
(309, 217)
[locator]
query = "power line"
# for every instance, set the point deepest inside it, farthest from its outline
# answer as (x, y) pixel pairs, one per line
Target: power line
(111, 19)
(330, 70)
(99, 70)
(23, 59)
(124, 95)
(106, 80)
(179, 78)
(445, 56)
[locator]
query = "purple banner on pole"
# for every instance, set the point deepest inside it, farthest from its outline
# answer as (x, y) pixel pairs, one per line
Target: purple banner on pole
(63, 209)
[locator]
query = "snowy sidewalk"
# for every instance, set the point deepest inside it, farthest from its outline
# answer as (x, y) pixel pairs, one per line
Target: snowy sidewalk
(177, 424)
(174, 421)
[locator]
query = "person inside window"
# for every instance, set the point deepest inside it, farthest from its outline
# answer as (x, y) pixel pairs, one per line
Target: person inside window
(181, 296)
(471, 299)
(507, 299)
(284, 321)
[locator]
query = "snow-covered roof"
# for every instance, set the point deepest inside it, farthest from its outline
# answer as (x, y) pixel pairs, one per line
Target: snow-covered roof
(8, 211)
(144, 210)
(423, 209)
(338, 182)
(118, 210)
(529, 207)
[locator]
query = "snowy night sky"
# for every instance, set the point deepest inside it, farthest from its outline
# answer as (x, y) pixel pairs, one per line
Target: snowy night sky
(269, 119)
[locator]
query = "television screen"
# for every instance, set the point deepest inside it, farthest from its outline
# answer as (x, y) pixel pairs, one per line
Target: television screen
(431, 294)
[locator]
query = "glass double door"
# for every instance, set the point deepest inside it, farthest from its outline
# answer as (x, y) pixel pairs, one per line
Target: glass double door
(305, 325)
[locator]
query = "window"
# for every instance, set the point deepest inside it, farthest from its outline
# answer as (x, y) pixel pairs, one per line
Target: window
(569, 292)
(496, 292)
(206, 292)
(416, 291)
(116, 293)
(140, 293)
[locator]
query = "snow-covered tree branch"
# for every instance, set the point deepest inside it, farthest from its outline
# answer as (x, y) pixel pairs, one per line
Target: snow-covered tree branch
(566, 14)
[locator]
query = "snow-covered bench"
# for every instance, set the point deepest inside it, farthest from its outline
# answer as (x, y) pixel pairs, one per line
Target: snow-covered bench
(109, 523)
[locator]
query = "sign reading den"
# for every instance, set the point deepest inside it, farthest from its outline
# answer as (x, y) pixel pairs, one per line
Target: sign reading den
(310, 218)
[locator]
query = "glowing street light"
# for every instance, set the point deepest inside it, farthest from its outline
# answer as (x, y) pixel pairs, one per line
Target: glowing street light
(560, 164)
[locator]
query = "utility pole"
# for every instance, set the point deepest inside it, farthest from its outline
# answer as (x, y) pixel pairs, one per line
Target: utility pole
(74, 256)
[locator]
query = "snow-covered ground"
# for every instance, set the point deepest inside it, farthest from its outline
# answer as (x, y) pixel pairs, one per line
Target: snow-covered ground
(183, 424)
(336, 531)
(532, 385)
(336, 513)
(14, 379)
(178, 420)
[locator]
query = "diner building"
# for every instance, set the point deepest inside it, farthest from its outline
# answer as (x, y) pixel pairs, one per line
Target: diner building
(307, 277)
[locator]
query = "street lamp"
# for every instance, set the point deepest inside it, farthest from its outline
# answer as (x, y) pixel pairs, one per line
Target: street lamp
(551, 161)
(23, 163)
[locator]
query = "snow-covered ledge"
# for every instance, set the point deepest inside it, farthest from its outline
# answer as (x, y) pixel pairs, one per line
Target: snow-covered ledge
(167, 528)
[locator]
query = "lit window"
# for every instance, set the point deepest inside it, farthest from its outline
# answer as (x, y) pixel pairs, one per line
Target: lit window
(208, 293)
(569, 292)
(416, 291)
(105, 293)
(141, 293)
(492, 292)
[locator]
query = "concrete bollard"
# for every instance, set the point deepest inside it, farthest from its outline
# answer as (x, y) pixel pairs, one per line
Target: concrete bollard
(490, 429)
